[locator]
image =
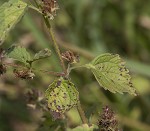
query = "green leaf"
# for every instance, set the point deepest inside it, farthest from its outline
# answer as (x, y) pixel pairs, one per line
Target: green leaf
(10, 13)
(111, 73)
(42, 54)
(20, 54)
(84, 127)
(61, 95)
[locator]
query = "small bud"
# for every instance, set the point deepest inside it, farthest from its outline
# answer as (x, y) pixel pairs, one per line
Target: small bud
(70, 57)
(49, 8)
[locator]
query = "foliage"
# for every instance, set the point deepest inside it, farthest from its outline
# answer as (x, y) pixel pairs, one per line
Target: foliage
(20, 54)
(62, 96)
(110, 72)
(11, 13)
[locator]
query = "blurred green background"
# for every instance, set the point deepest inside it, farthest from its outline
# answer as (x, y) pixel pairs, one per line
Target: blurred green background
(89, 28)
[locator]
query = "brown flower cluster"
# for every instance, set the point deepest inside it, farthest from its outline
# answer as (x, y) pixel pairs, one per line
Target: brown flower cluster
(49, 8)
(70, 57)
(107, 121)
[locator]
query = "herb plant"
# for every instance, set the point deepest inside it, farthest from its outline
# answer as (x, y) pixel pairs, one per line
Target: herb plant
(62, 94)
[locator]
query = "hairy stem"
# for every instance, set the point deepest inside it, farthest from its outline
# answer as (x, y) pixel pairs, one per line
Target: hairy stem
(82, 114)
(46, 20)
(80, 66)
(57, 50)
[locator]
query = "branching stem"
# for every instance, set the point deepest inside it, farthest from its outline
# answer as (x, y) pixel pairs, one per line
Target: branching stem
(74, 67)
(80, 110)
(46, 20)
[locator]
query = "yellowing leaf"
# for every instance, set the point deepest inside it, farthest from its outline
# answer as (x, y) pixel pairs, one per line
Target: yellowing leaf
(111, 73)
(61, 95)
(10, 13)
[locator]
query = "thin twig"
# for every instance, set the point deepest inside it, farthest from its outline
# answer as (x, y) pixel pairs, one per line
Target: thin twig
(82, 114)
(44, 71)
(54, 40)
(57, 49)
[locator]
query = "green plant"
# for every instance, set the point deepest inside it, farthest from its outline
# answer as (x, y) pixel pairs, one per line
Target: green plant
(62, 95)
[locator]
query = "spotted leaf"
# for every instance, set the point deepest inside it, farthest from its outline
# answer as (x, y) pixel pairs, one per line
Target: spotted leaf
(10, 14)
(111, 73)
(61, 96)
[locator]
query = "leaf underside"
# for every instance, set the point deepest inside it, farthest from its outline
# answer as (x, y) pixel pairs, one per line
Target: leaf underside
(111, 73)
(10, 14)
(61, 95)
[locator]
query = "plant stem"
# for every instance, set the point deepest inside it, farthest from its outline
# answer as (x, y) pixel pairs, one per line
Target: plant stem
(44, 71)
(74, 67)
(57, 50)
(82, 114)
(46, 20)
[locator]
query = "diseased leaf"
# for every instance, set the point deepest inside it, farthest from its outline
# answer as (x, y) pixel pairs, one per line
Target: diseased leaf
(20, 54)
(85, 127)
(42, 54)
(10, 13)
(61, 95)
(111, 73)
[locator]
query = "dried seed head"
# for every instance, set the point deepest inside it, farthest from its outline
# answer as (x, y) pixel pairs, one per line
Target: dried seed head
(49, 8)
(107, 120)
(70, 57)
(24, 74)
